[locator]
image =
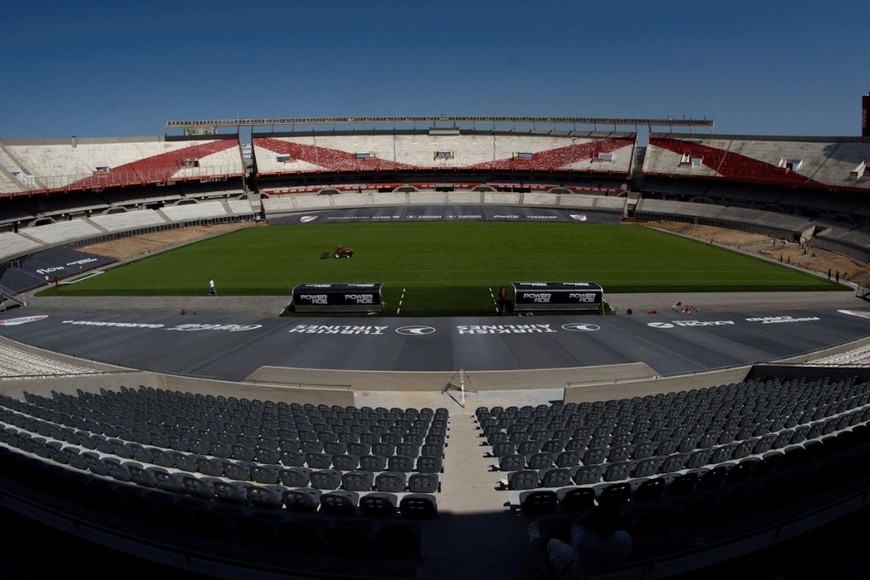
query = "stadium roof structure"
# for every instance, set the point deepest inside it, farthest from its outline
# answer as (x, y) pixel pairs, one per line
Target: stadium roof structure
(210, 126)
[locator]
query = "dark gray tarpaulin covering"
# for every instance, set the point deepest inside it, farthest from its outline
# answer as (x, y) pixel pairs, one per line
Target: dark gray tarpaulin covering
(229, 346)
(44, 267)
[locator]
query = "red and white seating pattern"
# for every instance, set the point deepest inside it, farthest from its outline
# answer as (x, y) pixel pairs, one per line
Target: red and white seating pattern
(33, 167)
(800, 162)
(410, 152)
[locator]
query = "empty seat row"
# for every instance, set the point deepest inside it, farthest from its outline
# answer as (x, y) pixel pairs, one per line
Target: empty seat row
(752, 478)
(718, 446)
(377, 504)
(732, 400)
(345, 495)
(204, 405)
(385, 476)
(84, 412)
(523, 474)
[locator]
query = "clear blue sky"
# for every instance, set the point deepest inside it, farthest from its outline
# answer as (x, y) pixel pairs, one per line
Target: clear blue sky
(122, 68)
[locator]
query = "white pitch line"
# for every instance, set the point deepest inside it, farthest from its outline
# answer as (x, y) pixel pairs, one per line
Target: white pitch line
(85, 277)
(401, 299)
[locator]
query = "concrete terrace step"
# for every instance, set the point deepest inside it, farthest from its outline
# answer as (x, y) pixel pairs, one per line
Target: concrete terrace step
(467, 483)
(475, 534)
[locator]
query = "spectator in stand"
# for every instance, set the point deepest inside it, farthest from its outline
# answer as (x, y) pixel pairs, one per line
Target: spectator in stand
(596, 541)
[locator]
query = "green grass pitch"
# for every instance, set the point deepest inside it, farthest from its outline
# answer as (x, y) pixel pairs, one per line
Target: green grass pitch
(446, 267)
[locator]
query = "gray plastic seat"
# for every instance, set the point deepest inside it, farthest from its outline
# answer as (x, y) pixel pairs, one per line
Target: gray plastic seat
(429, 464)
(587, 474)
(265, 473)
(418, 506)
(294, 476)
(357, 481)
(265, 496)
(423, 483)
(401, 463)
(378, 504)
(202, 488)
(523, 479)
(167, 481)
(373, 463)
(232, 492)
(318, 460)
(238, 470)
(326, 479)
(556, 477)
(391, 481)
(345, 462)
(538, 501)
(339, 502)
(305, 500)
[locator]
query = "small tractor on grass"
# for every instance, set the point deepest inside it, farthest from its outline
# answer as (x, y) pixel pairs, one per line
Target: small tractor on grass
(341, 252)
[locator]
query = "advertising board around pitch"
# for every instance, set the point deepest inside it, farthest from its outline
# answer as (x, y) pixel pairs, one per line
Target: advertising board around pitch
(350, 297)
(531, 296)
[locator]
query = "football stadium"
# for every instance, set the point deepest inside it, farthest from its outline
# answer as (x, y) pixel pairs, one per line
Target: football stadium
(421, 347)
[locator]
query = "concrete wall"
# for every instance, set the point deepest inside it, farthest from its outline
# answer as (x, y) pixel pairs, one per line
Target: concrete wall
(436, 381)
(623, 389)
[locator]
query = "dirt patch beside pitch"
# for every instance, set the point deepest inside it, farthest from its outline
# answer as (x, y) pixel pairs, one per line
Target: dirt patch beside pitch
(813, 259)
(136, 246)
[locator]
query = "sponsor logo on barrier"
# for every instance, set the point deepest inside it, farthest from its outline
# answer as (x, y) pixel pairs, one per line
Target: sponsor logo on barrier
(314, 298)
(578, 216)
(22, 320)
(537, 297)
(415, 330)
(583, 296)
(307, 219)
(782, 319)
(581, 327)
(690, 323)
(337, 329)
(504, 329)
(360, 298)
